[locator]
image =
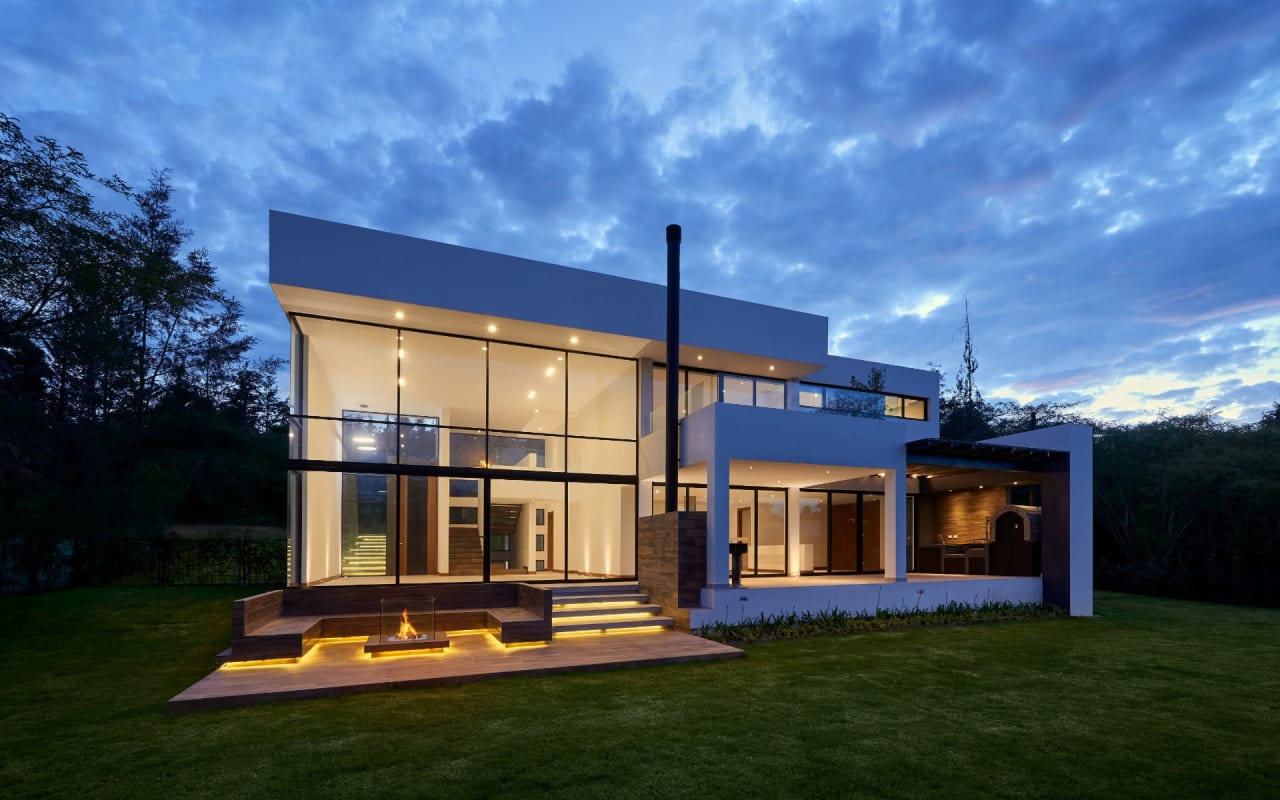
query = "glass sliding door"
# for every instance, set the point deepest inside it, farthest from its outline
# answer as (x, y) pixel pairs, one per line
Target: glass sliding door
(869, 532)
(812, 540)
(841, 531)
(771, 532)
(843, 547)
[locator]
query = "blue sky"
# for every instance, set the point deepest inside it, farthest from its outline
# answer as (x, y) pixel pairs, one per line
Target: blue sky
(1098, 179)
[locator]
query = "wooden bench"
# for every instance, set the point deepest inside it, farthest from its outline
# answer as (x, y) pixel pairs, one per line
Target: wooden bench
(262, 631)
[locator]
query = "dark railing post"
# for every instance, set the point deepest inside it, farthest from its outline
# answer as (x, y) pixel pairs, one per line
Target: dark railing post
(673, 365)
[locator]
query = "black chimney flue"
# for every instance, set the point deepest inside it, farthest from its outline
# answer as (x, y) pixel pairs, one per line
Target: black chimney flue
(673, 365)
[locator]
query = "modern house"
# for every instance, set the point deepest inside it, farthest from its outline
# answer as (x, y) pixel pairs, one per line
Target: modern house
(460, 416)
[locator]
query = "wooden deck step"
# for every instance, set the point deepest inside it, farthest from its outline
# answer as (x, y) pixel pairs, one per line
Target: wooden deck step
(595, 588)
(646, 622)
(589, 599)
(606, 611)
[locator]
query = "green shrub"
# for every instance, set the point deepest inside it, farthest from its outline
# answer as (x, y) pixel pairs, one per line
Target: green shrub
(835, 621)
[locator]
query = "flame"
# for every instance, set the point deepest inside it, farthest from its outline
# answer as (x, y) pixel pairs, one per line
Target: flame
(407, 631)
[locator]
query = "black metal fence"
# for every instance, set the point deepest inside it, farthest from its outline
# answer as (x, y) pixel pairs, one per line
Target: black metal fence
(160, 561)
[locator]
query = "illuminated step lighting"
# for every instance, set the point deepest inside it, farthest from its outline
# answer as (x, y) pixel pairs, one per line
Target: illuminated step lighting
(610, 631)
(602, 618)
(601, 604)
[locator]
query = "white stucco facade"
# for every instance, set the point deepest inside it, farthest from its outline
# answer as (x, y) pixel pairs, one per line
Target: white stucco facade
(828, 487)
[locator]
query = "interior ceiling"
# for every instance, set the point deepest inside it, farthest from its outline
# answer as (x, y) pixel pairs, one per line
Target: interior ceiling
(776, 473)
(819, 476)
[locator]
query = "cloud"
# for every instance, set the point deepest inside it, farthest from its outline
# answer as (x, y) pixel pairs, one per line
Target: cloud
(1099, 181)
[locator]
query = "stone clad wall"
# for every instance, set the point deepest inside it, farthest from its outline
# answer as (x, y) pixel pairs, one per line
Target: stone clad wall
(967, 513)
(671, 562)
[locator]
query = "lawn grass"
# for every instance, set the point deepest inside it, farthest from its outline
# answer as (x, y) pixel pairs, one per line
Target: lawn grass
(1151, 698)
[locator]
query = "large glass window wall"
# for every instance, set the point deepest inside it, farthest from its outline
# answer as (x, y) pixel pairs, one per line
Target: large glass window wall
(393, 431)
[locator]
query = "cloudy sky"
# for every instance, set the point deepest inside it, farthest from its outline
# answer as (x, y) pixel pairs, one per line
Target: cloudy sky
(1099, 180)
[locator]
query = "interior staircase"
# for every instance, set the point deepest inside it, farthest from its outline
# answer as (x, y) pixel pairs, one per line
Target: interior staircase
(612, 607)
(366, 556)
(466, 554)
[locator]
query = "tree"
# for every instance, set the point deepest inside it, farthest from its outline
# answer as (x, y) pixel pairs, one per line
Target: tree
(127, 399)
(1271, 419)
(964, 415)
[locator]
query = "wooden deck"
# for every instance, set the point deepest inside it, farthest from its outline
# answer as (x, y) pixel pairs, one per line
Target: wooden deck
(341, 667)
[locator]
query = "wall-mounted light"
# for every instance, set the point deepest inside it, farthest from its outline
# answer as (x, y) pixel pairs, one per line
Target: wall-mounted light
(400, 353)
(551, 371)
(400, 381)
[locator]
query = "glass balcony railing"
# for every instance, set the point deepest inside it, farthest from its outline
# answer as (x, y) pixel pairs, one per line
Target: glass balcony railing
(860, 403)
(765, 393)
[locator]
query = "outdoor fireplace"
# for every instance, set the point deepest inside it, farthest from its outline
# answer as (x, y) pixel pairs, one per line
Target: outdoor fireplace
(405, 626)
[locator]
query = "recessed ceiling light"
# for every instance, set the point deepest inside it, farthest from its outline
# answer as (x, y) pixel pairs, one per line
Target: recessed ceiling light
(551, 371)
(532, 395)
(559, 358)
(980, 486)
(699, 358)
(879, 474)
(1015, 483)
(573, 340)
(367, 448)
(493, 328)
(484, 347)
(362, 439)
(771, 368)
(399, 315)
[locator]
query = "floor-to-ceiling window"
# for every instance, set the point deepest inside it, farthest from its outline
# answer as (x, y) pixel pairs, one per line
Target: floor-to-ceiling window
(420, 456)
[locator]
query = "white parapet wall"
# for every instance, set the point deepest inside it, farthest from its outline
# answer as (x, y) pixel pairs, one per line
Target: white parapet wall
(916, 593)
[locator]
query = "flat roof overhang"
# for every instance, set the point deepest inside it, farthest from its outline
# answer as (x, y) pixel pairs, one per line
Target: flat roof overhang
(380, 311)
(948, 455)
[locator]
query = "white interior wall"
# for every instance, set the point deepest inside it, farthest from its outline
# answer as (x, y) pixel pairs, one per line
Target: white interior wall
(324, 525)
